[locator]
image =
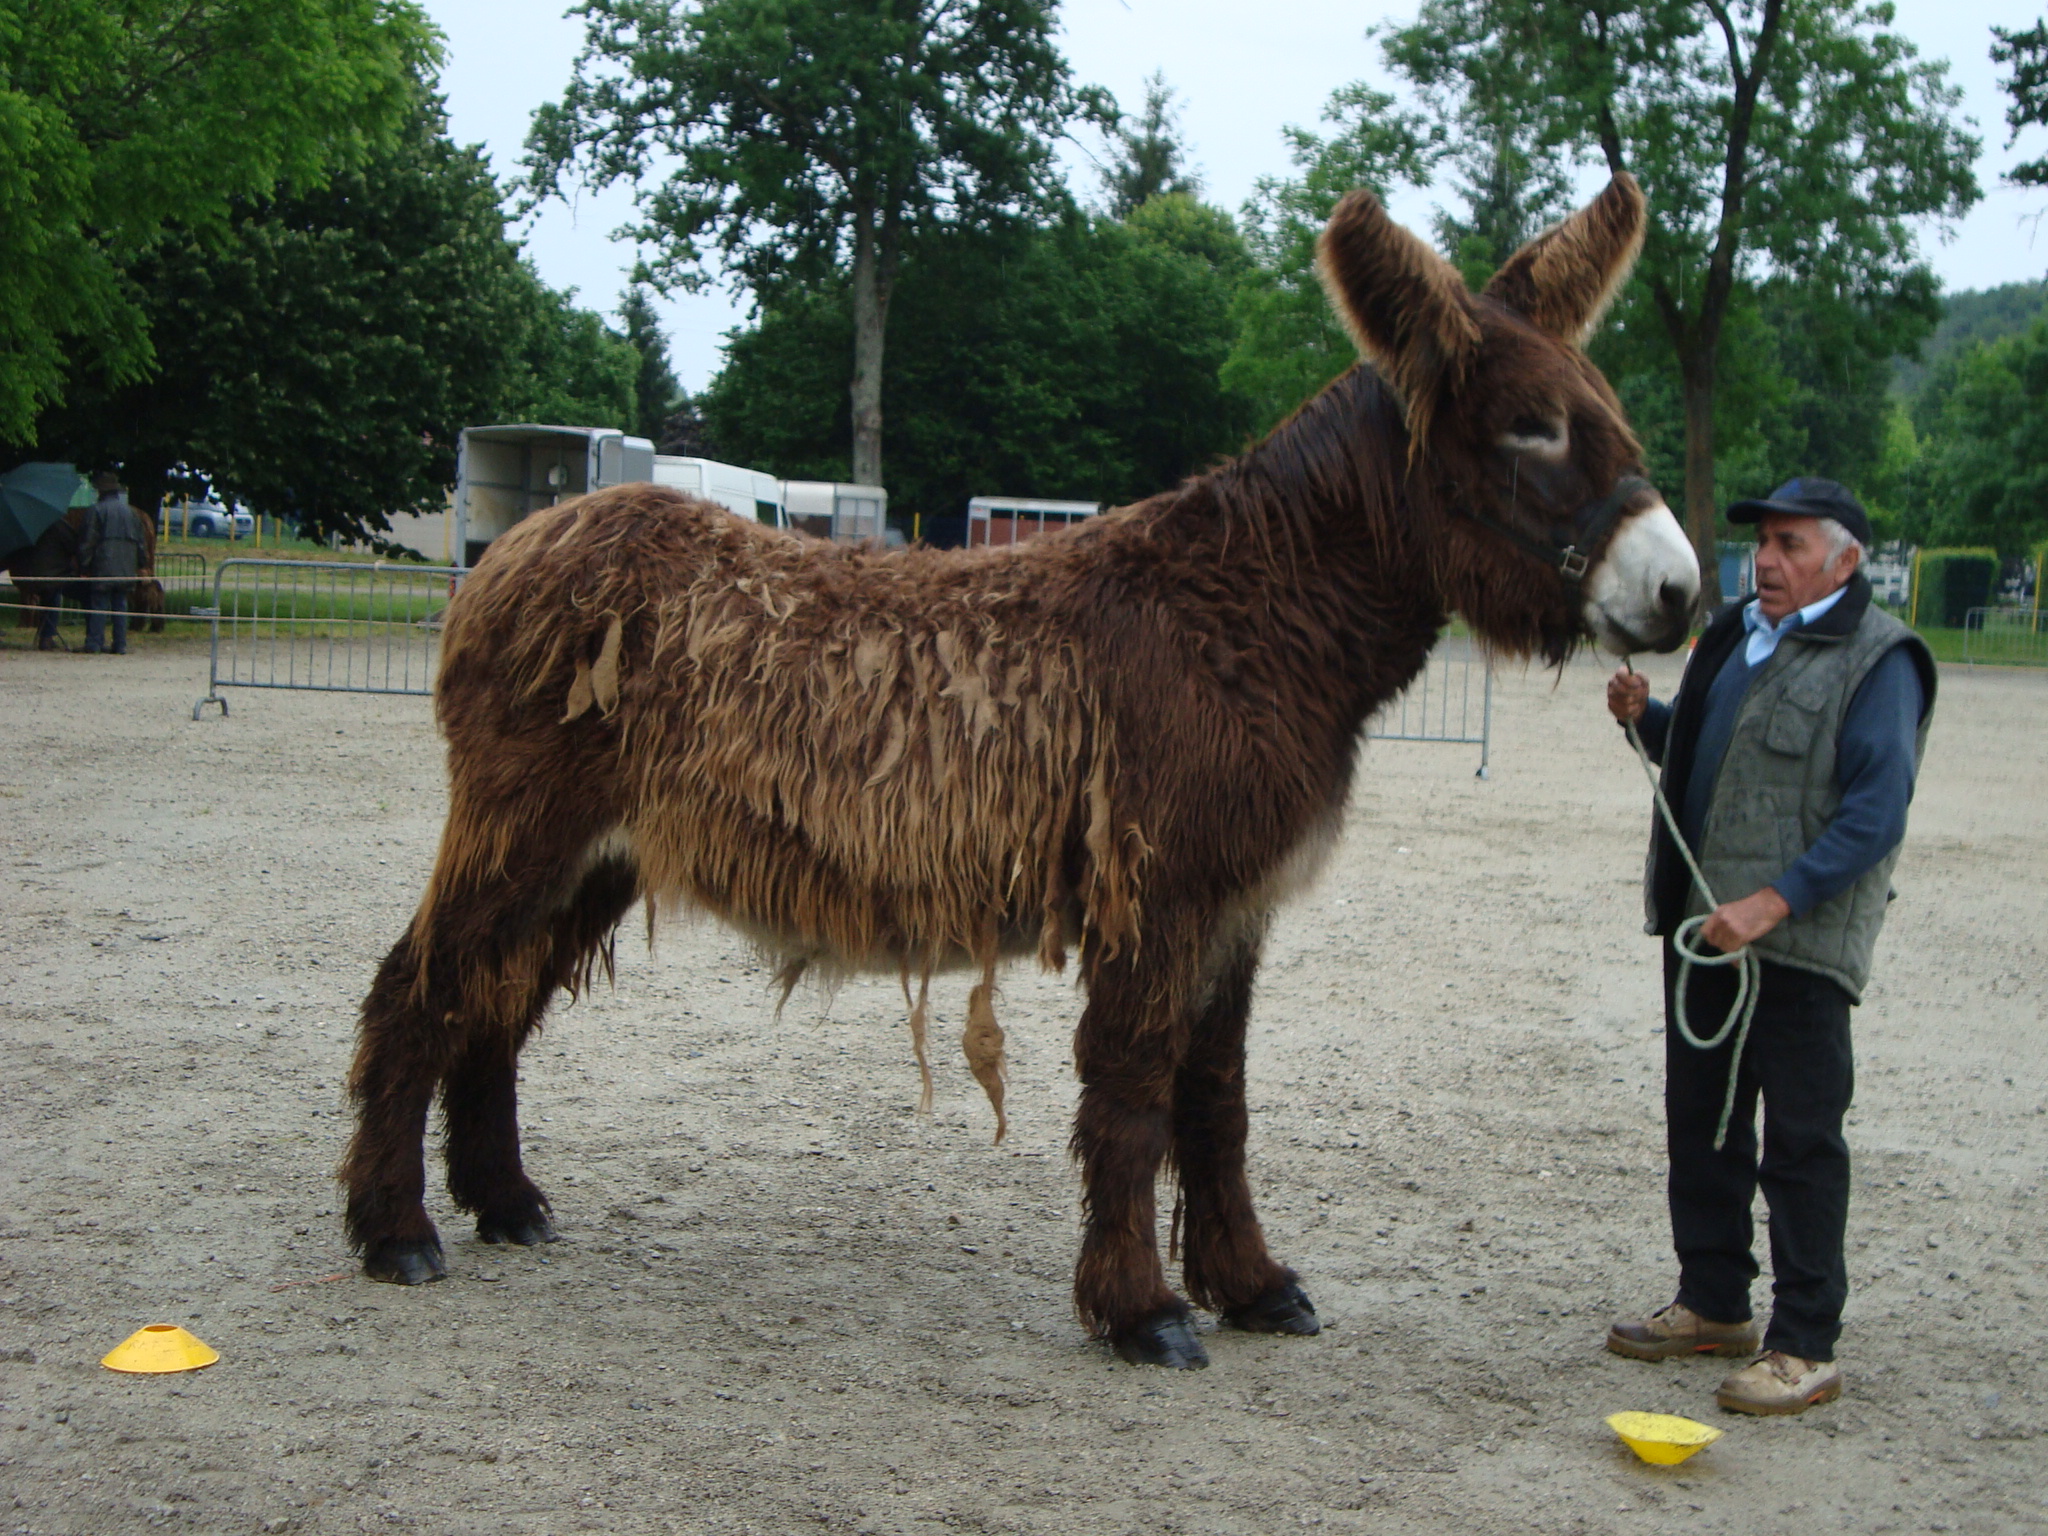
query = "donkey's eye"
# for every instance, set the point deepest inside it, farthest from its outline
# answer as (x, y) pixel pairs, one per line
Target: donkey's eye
(1533, 427)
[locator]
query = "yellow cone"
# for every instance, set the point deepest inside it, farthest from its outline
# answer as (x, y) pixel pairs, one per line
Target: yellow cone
(1662, 1439)
(158, 1349)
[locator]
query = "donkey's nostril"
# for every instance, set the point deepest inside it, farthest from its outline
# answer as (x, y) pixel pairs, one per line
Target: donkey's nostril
(1674, 596)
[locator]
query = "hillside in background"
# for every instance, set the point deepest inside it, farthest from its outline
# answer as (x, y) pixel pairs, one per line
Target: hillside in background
(1970, 315)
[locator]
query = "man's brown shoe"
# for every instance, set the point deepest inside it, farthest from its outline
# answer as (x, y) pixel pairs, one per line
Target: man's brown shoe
(1678, 1330)
(1776, 1382)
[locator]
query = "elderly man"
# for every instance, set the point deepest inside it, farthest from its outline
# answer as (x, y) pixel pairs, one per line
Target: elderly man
(111, 553)
(1789, 757)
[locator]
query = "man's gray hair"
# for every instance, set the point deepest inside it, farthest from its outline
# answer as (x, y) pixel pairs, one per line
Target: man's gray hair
(1839, 539)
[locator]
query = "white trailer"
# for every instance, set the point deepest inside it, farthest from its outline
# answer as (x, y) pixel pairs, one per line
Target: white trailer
(504, 473)
(1013, 519)
(833, 509)
(747, 492)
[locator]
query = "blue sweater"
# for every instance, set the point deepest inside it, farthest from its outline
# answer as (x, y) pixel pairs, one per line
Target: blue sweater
(1873, 767)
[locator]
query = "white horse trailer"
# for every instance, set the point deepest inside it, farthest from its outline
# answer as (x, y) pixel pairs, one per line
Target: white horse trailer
(504, 473)
(745, 491)
(1013, 519)
(832, 509)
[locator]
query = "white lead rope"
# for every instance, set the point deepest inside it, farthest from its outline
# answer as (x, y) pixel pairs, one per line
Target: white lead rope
(1749, 972)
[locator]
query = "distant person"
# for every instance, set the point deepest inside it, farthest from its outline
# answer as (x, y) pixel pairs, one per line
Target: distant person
(47, 572)
(111, 554)
(1789, 758)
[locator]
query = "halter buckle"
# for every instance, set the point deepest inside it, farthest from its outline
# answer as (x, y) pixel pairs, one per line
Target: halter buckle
(1572, 564)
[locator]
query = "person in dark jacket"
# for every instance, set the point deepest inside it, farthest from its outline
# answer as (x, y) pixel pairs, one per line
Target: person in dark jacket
(110, 553)
(47, 572)
(1789, 758)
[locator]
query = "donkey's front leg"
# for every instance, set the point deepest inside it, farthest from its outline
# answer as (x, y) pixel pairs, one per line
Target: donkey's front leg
(1126, 1050)
(1226, 1264)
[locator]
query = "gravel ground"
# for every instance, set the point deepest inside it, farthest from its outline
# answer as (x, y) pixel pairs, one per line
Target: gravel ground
(787, 1302)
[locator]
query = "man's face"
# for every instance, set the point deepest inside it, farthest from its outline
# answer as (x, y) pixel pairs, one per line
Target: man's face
(1792, 567)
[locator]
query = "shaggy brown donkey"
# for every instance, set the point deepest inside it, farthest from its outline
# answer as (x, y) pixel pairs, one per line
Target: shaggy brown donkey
(1132, 739)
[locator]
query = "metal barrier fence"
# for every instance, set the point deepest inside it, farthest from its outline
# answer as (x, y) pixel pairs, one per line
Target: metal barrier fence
(2011, 637)
(1442, 705)
(335, 627)
(180, 572)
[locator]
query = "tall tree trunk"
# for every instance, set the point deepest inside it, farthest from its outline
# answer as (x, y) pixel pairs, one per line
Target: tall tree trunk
(870, 327)
(1696, 376)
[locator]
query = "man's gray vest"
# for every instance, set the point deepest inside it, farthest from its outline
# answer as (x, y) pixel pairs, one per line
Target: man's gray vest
(1775, 792)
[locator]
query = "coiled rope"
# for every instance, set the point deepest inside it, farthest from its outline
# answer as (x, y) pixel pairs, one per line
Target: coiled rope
(1749, 969)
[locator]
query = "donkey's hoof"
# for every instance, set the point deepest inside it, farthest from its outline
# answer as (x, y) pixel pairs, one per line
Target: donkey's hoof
(405, 1263)
(1284, 1309)
(1167, 1339)
(526, 1231)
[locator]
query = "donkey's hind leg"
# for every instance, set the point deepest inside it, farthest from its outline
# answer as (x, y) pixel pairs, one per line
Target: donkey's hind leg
(1225, 1264)
(474, 969)
(403, 1047)
(480, 1094)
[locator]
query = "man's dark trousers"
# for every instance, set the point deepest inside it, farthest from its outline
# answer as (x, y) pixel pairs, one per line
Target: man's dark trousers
(53, 610)
(1798, 1058)
(106, 602)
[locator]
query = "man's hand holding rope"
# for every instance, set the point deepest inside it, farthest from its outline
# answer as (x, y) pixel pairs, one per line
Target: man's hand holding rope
(1733, 924)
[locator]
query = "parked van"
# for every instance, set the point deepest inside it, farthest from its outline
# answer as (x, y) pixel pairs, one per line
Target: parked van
(745, 491)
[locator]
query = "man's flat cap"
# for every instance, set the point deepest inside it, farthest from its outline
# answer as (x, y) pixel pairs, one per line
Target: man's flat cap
(1808, 496)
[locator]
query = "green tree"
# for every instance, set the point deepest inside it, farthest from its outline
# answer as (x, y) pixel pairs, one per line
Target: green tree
(1793, 138)
(571, 369)
(318, 356)
(1982, 474)
(1510, 193)
(1289, 344)
(118, 121)
(1147, 159)
(655, 388)
(1077, 360)
(788, 142)
(2027, 53)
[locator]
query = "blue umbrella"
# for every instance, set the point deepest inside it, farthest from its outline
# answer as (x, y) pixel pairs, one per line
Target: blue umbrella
(32, 497)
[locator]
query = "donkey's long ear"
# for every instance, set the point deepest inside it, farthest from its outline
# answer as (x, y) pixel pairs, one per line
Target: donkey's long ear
(1404, 305)
(1565, 278)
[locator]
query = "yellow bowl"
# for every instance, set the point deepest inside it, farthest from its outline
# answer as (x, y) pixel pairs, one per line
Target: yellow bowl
(159, 1349)
(1662, 1439)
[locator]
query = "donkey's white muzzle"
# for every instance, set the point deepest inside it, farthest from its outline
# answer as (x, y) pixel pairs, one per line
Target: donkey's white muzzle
(1642, 594)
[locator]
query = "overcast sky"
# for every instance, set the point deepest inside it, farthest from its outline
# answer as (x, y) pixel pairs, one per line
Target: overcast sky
(1244, 69)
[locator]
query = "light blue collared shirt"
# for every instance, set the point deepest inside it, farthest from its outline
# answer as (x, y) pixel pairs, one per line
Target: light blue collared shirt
(1764, 635)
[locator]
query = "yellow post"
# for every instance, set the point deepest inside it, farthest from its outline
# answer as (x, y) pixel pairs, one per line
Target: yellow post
(1913, 613)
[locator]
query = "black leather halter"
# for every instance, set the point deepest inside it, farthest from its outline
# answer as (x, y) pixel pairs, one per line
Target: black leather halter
(1564, 550)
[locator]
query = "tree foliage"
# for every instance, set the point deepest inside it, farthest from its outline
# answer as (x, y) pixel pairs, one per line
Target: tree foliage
(1289, 344)
(1776, 139)
(1510, 190)
(1074, 360)
(1147, 158)
(318, 355)
(794, 143)
(117, 122)
(2027, 53)
(1982, 470)
(656, 392)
